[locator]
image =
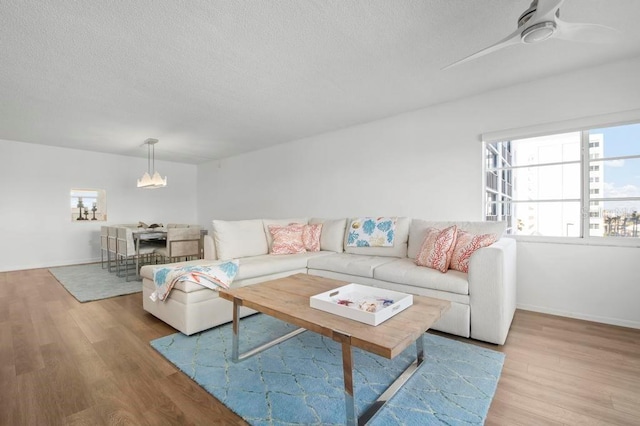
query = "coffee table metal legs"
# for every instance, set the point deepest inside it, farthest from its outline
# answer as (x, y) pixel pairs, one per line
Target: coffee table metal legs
(236, 356)
(347, 367)
(396, 385)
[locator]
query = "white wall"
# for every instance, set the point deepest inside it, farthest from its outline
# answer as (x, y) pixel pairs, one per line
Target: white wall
(587, 282)
(428, 164)
(36, 229)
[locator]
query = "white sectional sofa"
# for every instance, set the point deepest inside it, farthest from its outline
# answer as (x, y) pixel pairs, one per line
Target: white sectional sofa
(483, 300)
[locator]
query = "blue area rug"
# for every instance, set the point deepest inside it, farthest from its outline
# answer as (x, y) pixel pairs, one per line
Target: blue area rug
(299, 382)
(89, 282)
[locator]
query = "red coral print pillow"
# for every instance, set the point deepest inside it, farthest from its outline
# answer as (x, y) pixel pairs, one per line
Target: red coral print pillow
(466, 245)
(287, 239)
(437, 248)
(311, 236)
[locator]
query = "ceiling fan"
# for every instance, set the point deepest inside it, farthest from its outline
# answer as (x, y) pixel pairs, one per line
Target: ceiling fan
(540, 22)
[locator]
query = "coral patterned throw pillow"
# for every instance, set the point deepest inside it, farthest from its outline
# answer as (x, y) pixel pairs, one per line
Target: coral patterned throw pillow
(437, 248)
(287, 239)
(466, 245)
(311, 236)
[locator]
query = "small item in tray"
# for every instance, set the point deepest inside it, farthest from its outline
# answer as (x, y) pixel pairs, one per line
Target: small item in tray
(385, 302)
(368, 305)
(345, 302)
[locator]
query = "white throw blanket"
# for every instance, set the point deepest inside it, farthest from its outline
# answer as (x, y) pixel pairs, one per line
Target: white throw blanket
(214, 276)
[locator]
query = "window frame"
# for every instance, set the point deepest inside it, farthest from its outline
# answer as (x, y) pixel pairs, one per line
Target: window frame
(587, 165)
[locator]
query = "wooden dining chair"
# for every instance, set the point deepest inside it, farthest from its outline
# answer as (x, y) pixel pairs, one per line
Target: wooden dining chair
(182, 244)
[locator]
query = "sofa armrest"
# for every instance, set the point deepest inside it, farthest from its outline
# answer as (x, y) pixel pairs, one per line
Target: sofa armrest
(209, 248)
(492, 290)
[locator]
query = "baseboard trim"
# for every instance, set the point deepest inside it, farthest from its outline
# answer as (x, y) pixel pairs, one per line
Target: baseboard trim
(593, 318)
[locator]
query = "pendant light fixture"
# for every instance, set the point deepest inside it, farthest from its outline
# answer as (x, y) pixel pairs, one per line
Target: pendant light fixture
(147, 181)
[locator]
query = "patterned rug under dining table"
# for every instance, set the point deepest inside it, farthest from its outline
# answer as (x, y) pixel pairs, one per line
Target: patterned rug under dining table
(288, 298)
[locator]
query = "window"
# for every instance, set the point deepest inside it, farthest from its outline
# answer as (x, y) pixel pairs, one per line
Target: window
(88, 204)
(577, 184)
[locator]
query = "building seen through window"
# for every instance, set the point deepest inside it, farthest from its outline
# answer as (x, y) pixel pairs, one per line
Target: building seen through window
(578, 184)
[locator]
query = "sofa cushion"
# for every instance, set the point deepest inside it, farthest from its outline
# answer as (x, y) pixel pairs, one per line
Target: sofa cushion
(286, 239)
(280, 222)
(332, 236)
(405, 271)
(258, 266)
(239, 238)
(418, 230)
(399, 248)
(437, 248)
(347, 263)
(249, 267)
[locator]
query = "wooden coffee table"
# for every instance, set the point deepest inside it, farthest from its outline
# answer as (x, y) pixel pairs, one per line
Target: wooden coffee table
(288, 300)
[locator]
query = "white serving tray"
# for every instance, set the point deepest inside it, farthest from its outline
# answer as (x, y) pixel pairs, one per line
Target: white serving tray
(358, 293)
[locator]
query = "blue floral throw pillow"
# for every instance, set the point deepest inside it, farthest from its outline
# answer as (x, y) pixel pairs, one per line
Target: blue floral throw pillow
(372, 232)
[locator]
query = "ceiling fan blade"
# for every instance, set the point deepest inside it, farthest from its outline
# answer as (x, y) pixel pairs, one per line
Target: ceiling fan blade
(587, 33)
(545, 11)
(513, 38)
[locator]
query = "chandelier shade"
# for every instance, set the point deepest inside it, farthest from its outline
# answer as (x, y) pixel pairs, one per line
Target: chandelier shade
(151, 179)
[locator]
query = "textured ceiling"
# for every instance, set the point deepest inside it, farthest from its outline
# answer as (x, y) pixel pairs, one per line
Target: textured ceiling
(211, 79)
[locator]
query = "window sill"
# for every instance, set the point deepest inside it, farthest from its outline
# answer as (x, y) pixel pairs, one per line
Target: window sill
(589, 241)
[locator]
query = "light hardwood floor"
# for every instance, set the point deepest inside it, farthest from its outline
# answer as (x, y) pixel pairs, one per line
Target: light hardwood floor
(65, 362)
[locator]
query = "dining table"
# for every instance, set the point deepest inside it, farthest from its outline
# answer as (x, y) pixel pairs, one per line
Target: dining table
(152, 234)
